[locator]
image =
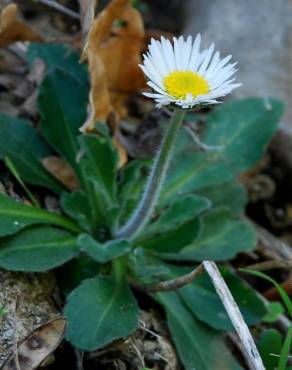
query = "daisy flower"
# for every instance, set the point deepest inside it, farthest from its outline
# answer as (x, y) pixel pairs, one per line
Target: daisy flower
(181, 74)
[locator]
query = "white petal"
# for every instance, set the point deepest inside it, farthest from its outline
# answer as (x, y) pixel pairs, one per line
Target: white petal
(186, 53)
(156, 57)
(222, 78)
(168, 54)
(206, 60)
(152, 77)
(157, 88)
(213, 64)
(152, 69)
(228, 71)
(194, 60)
(149, 65)
(181, 46)
(216, 76)
(221, 91)
(152, 95)
(177, 45)
(222, 63)
(162, 102)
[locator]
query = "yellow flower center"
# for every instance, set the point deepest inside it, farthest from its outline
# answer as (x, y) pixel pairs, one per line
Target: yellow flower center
(181, 83)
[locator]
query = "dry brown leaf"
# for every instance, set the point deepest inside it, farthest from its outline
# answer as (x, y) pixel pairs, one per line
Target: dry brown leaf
(121, 53)
(62, 171)
(113, 53)
(12, 29)
(38, 346)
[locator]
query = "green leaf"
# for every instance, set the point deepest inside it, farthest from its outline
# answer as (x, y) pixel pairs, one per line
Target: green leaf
(99, 311)
(203, 301)
(103, 253)
(288, 303)
(62, 104)
(191, 171)
(100, 161)
(286, 350)
(275, 309)
(199, 347)
(219, 238)
(59, 56)
(243, 128)
(72, 273)
(37, 249)
(20, 142)
(183, 209)
(270, 344)
(77, 206)
(173, 240)
(286, 299)
(176, 227)
(15, 216)
(132, 181)
(230, 194)
(145, 266)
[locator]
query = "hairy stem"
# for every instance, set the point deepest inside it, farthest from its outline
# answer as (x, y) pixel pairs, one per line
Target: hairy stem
(145, 208)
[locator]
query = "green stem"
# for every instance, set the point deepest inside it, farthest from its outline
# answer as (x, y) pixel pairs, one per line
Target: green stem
(118, 269)
(145, 208)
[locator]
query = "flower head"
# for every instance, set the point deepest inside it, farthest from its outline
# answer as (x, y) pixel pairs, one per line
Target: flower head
(181, 74)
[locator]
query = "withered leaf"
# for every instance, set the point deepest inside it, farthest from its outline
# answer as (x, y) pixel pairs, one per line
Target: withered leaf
(62, 171)
(113, 53)
(38, 346)
(12, 29)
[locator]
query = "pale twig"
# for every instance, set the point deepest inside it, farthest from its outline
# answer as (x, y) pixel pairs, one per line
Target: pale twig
(142, 327)
(235, 315)
(79, 359)
(139, 354)
(87, 9)
(168, 285)
(62, 9)
(271, 245)
(235, 340)
(270, 265)
(201, 146)
(19, 50)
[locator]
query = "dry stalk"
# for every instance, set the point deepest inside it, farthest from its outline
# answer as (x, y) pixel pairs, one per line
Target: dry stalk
(248, 344)
(168, 285)
(270, 265)
(62, 9)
